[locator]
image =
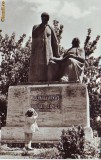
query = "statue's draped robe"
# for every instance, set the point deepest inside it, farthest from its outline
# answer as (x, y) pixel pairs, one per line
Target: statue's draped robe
(44, 47)
(68, 69)
(72, 68)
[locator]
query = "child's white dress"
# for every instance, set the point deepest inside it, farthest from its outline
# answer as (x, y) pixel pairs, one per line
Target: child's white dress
(30, 125)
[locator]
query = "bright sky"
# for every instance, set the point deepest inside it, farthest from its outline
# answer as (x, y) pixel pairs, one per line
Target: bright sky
(76, 16)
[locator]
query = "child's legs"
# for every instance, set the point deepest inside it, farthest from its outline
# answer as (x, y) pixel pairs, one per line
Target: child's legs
(28, 139)
(30, 136)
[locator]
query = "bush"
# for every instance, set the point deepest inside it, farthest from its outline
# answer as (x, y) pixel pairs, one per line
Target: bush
(73, 145)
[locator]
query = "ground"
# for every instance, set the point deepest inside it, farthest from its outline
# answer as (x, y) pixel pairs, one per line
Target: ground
(49, 153)
(20, 153)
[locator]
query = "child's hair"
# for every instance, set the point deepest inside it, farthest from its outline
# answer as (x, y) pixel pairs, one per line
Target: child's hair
(29, 113)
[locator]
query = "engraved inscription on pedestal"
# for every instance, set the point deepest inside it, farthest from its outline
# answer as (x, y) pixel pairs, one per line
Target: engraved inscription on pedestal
(45, 100)
(47, 103)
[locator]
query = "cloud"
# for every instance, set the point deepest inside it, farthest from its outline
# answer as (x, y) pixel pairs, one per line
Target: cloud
(73, 11)
(51, 6)
(64, 8)
(70, 9)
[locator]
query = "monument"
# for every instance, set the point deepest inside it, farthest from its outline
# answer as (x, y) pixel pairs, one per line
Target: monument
(59, 105)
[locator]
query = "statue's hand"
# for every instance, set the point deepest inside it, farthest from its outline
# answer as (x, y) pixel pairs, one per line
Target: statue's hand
(54, 59)
(51, 60)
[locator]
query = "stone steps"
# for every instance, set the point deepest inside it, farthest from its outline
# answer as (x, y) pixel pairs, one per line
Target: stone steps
(22, 152)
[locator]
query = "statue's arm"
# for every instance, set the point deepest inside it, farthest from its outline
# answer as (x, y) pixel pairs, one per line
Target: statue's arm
(34, 30)
(55, 59)
(80, 57)
(55, 45)
(60, 59)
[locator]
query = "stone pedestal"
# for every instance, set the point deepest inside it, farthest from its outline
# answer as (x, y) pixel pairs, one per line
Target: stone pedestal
(59, 106)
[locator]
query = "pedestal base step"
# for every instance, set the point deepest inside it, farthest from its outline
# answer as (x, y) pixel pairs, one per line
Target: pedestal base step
(44, 135)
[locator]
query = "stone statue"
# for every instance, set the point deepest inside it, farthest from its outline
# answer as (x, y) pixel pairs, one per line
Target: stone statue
(44, 47)
(70, 67)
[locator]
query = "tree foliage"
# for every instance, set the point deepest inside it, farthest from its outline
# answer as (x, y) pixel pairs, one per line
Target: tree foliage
(15, 61)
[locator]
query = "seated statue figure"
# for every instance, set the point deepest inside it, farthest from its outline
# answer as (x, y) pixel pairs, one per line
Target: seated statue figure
(70, 67)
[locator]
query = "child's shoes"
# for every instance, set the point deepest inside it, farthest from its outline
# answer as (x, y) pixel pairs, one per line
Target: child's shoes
(30, 148)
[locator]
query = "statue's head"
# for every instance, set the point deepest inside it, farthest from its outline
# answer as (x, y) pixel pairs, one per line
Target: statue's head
(45, 17)
(75, 42)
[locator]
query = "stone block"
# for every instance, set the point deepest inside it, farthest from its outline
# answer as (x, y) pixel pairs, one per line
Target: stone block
(58, 106)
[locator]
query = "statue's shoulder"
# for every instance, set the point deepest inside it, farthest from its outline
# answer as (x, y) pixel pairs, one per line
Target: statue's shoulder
(35, 26)
(81, 52)
(81, 49)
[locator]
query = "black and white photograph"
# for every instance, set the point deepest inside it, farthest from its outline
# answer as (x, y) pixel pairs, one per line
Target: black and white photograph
(50, 79)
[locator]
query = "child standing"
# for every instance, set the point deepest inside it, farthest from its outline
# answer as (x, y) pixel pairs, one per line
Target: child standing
(30, 127)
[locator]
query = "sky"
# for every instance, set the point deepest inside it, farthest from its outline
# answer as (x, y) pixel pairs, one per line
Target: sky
(75, 15)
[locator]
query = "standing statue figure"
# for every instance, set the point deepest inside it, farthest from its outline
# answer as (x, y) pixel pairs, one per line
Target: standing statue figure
(44, 47)
(71, 65)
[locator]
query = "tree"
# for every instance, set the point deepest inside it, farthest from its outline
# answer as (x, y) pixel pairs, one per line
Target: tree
(15, 61)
